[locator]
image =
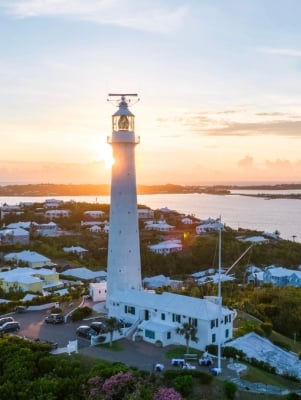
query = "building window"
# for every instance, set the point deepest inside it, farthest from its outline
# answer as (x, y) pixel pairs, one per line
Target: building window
(168, 335)
(149, 334)
(227, 333)
(193, 322)
(226, 319)
(213, 338)
(129, 310)
(163, 316)
(176, 318)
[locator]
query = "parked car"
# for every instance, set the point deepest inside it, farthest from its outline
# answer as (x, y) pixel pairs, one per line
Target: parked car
(159, 367)
(85, 332)
(188, 366)
(206, 361)
(21, 309)
(178, 362)
(10, 326)
(54, 319)
(3, 320)
(98, 326)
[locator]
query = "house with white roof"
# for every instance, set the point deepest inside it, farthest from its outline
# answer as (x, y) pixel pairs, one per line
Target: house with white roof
(80, 251)
(209, 225)
(94, 214)
(86, 274)
(159, 281)
(10, 210)
(98, 291)
(282, 276)
(52, 203)
(52, 214)
(166, 247)
(145, 213)
(95, 229)
(161, 226)
(49, 229)
(14, 236)
(29, 279)
(31, 258)
(157, 317)
(21, 224)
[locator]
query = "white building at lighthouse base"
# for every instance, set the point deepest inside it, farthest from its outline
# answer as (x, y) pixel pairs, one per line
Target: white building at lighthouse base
(156, 317)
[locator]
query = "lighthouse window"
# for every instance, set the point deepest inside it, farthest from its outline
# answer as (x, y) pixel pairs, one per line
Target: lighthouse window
(213, 338)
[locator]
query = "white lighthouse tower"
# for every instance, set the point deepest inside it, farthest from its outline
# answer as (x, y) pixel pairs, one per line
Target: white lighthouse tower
(124, 265)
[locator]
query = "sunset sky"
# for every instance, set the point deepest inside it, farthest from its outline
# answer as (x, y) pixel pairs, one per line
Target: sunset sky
(219, 83)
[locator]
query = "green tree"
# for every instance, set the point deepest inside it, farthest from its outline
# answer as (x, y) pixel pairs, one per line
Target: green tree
(189, 332)
(112, 325)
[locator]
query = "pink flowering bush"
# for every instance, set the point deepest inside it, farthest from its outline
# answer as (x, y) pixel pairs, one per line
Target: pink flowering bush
(115, 387)
(167, 394)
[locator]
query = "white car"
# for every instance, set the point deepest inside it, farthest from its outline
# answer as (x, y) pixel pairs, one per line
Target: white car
(188, 366)
(159, 367)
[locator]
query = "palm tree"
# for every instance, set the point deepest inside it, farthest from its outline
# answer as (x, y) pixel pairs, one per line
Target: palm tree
(112, 325)
(189, 332)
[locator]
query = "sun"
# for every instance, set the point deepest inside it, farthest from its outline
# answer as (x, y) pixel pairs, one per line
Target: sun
(105, 154)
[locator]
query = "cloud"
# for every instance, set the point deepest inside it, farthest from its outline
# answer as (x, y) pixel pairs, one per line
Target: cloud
(135, 14)
(280, 52)
(247, 162)
(290, 126)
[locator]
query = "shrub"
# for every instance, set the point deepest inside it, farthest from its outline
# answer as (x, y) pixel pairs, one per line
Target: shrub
(167, 394)
(183, 384)
(230, 389)
(201, 376)
(81, 313)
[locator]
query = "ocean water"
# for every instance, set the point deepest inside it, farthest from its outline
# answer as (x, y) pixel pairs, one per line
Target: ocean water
(236, 211)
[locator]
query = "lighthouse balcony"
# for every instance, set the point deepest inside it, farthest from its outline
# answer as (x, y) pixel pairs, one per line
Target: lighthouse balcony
(123, 137)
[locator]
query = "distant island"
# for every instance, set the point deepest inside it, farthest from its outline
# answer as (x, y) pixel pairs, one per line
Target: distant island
(48, 189)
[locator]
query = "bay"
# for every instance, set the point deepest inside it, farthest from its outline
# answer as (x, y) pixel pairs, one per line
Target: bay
(236, 211)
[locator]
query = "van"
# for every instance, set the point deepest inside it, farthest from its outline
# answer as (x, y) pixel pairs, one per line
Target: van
(54, 319)
(3, 320)
(11, 326)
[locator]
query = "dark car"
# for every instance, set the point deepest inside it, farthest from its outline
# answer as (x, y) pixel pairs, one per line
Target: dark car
(85, 332)
(3, 320)
(98, 326)
(11, 326)
(54, 319)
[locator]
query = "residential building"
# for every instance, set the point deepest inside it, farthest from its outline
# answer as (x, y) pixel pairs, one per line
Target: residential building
(145, 213)
(52, 214)
(31, 258)
(282, 276)
(157, 317)
(78, 250)
(166, 247)
(29, 279)
(161, 226)
(86, 274)
(94, 214)
(14, 236)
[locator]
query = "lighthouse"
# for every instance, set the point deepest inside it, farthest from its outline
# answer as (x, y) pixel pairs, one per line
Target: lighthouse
(124, 262)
